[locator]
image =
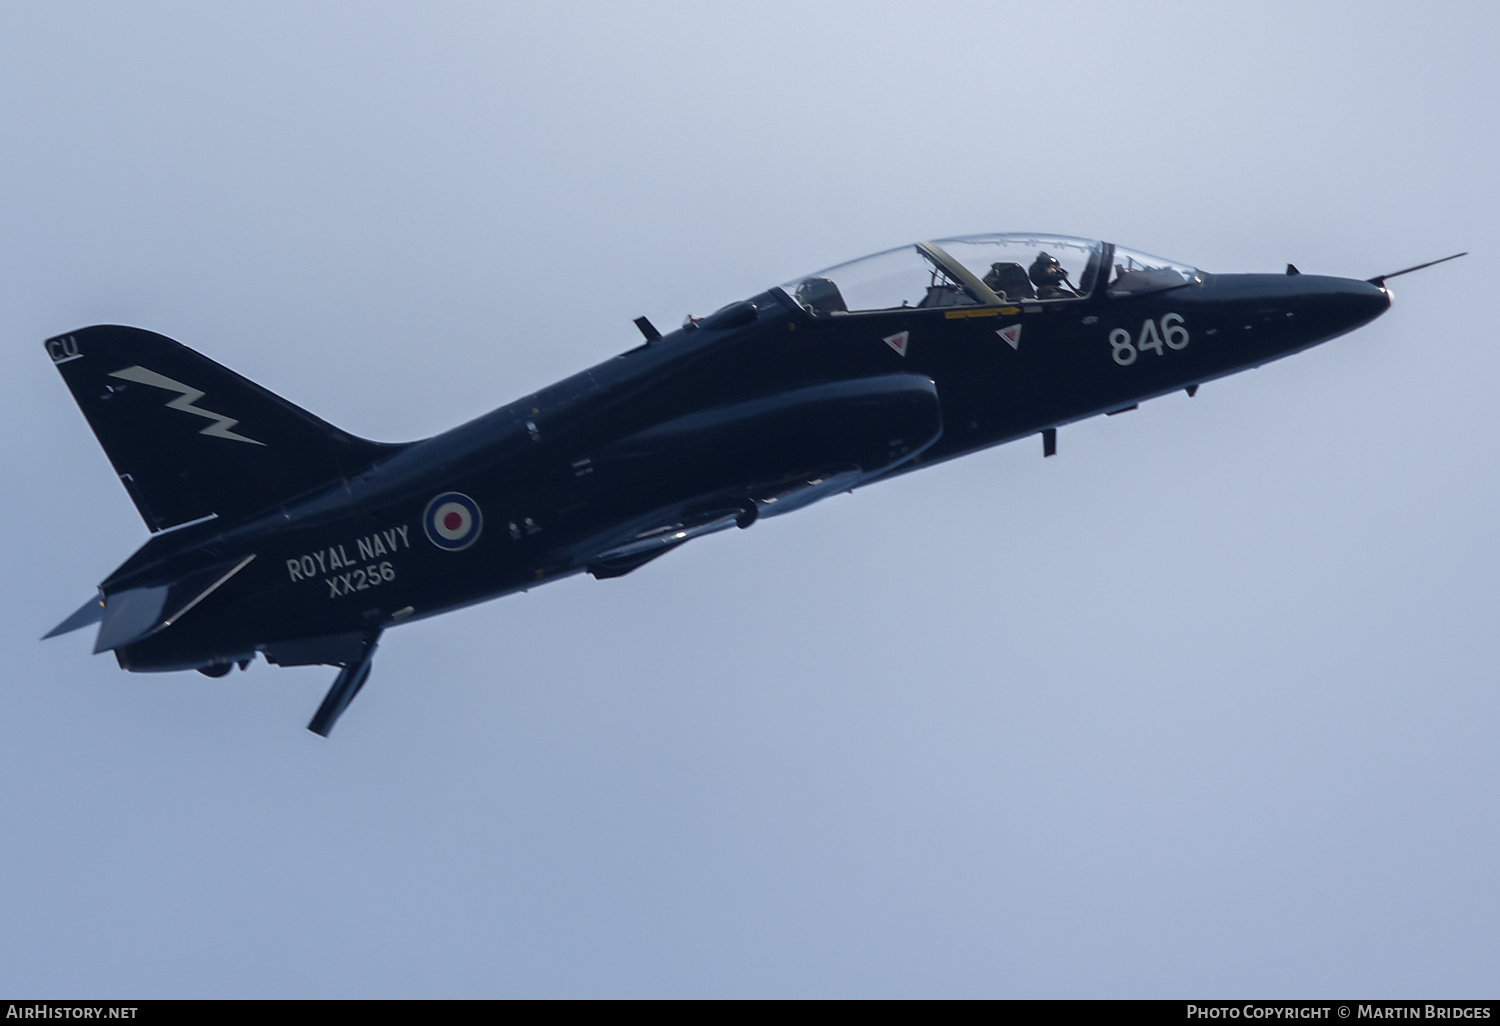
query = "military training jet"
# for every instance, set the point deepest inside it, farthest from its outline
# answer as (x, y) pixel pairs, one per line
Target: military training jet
(277, 533)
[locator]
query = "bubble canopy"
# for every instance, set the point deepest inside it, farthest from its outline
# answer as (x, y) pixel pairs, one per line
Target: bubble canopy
(984, 270)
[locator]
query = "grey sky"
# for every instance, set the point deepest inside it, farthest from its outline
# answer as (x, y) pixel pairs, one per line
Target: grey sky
(1205, 705)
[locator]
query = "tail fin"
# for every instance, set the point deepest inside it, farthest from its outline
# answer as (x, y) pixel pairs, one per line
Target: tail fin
(190, 438)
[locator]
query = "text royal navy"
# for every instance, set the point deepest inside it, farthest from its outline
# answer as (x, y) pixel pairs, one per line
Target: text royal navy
(346, 572)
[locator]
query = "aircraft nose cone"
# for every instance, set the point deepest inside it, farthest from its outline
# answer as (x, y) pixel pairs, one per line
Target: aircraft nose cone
(1367, 301)
(1376, 299)
(1312, 308)
(1343, 304)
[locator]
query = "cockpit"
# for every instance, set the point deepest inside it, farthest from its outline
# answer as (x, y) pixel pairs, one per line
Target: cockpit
(1002, 269)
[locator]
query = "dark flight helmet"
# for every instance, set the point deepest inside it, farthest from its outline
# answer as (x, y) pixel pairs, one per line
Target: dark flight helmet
(1046, 271)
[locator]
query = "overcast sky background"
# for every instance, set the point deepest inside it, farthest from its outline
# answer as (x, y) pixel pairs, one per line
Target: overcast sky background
(1205, 705)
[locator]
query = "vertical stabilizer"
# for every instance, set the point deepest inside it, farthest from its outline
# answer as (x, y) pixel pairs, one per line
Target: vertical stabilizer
(190, 438)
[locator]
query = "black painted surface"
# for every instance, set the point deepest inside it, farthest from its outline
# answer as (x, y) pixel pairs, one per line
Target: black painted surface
(755, 410)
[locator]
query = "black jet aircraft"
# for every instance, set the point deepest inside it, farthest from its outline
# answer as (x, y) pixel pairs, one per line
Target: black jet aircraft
(277, 533)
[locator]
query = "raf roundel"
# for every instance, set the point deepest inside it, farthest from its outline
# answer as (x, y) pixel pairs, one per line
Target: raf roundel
(452, 521)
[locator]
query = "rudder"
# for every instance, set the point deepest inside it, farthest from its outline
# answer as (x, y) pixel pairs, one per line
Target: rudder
(190, 438)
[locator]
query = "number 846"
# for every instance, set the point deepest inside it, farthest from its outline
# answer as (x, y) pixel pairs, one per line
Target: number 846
(1125, 349)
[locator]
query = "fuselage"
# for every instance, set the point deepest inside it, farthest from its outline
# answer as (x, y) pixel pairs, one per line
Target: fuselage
(761, 408)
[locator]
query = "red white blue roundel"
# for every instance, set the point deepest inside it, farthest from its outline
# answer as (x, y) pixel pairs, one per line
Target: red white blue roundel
(452, 521)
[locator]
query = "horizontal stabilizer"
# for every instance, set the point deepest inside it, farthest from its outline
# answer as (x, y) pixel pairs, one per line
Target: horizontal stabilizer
(133, 613)
(129, 616)
(91, 611)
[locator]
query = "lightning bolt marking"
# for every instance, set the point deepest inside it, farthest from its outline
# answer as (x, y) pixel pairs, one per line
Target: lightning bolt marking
(187, 396)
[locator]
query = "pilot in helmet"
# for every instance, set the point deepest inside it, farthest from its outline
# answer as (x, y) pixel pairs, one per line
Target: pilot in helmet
(1050, 279)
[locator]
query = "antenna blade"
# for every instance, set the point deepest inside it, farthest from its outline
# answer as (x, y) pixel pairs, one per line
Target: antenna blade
(648, 329)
